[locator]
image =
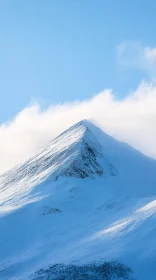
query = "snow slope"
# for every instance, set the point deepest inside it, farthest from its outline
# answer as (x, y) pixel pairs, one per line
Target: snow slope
(83, 198)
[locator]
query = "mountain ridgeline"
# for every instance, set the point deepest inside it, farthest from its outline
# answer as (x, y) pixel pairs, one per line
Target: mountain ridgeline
(83, 207)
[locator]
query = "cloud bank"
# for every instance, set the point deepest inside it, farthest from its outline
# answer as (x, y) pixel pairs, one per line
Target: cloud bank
(132, 120)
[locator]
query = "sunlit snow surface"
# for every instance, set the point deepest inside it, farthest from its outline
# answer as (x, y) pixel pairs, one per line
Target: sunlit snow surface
(83, 198)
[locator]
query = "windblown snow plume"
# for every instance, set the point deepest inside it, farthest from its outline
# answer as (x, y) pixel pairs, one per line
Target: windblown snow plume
(132, 120)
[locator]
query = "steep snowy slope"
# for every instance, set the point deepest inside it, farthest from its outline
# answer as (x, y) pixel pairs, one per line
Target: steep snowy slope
(83, 198)
(75, 153)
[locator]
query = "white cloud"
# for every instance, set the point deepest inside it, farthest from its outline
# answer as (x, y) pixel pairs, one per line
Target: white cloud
(132, 120)
(133, 54)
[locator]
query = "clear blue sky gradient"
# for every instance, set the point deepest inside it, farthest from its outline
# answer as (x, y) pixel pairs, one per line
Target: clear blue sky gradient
(64, 50)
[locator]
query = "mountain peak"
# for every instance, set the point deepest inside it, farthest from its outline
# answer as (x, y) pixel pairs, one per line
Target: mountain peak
(74, 153)
(81, 152)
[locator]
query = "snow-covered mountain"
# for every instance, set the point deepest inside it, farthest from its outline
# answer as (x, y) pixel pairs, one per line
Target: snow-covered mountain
(85, 198)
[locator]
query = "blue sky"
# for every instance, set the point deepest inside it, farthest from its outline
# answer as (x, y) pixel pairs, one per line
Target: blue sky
(55, 51)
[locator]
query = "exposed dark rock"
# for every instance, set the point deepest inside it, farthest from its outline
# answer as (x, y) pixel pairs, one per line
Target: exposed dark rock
(96, 271)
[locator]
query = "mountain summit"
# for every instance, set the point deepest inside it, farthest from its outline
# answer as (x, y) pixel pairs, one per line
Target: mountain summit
(84, 198)
(74, 153)
(80, 154)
